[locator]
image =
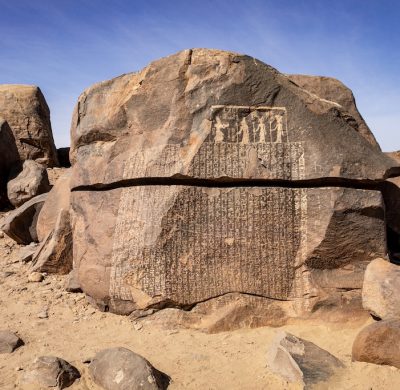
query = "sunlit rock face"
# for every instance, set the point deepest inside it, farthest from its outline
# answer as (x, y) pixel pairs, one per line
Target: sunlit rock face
(209, 174)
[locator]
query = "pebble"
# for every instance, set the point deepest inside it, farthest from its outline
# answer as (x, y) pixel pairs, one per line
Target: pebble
(43, 314)
(35, 277)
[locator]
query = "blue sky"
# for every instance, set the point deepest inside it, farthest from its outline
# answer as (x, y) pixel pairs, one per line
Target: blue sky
(65, 46)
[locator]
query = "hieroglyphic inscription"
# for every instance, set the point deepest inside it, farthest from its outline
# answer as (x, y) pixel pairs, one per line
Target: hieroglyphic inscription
(204, 242)
(192, 243)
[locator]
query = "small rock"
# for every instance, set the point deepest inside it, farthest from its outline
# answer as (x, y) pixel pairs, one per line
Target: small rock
(301, 361)
(120, 369)
(381, 289)
(9, 342)
(137, 325)
(35, 277)
(379, 343)
(44, 313)
(6, 274)
(51, 372)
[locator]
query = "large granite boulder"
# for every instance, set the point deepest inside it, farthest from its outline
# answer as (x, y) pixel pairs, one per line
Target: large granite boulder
(28, 183)
(209, 173)
(331, 89)
(25, 109)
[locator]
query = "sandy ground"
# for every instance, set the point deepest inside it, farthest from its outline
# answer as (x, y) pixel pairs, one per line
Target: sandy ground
(233, 360)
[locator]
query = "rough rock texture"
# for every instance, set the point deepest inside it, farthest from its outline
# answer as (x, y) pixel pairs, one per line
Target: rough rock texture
(379, 343)
(301, 361)
(28, 183)
(54, 254)
(26, 252)
(72, 283)
(331, 89)
(210, 173)
(122, 369)
(20, 224)
(25, 109)
(381, 289)
(58, 199)
(9, 158)
(9, 342)
(51, 372)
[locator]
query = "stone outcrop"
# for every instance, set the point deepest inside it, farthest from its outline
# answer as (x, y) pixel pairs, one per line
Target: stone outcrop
(379, 343)
(209, 174)
(20, 224)
(28, 183)
(9, 341)
(9, 158)
(333, 90)
(51, 372)
(25, 109)
(58, 199)
(54, 254)
(381, 289)
(300, 361)
(122, 369)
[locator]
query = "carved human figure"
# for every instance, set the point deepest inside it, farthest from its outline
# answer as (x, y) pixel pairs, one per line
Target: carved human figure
(279, 128)
(261, 128)
(244, 129)
(219, 126)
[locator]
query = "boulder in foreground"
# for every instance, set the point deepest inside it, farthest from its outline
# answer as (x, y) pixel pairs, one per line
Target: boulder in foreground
(379, 343)
(122, 369)
(51, 372)
(9, 342)
(301, 361)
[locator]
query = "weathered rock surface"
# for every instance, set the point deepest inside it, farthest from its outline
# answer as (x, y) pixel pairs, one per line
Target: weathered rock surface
(54, 254)
(185, 114)
(9, 158)
(51, 372)
(9, 342)
(157, 245)
(379, 343)
(301, 361)
(381, 289)
(28, 183)
(20, 224)
(25, 109)
(122, 369)
(58, 199)
(26, 253)
(210, 173)
(333, 90)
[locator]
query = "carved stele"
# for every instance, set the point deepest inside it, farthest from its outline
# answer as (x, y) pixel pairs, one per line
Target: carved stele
(192, 188)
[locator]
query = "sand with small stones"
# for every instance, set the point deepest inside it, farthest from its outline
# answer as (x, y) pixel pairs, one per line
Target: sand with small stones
(75, 331)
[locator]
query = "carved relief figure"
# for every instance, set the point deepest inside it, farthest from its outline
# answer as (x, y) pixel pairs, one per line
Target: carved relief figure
(244, 129)
(261, 127)
(219, 126)
(279, 128)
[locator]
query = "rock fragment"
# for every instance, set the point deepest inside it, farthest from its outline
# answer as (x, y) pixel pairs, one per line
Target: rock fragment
(20, 224)
(28, 183)
(35, 277)
(300, 361)
(72, 284)
(9, 342)
(122, 369)
(379, 343)
(54, 254)
(51, 372)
